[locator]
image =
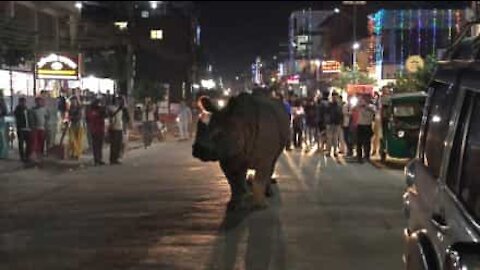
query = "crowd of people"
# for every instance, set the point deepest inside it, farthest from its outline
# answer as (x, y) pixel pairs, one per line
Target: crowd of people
(45, 125)
(334, 126)
(77, 122)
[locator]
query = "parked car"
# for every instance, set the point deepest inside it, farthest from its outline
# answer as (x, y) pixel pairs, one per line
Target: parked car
(442, 198)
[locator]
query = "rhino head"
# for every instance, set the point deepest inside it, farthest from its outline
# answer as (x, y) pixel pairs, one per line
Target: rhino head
(217, 133)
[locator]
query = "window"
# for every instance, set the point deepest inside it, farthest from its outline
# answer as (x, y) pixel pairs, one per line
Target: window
(453, 175)
(156, 34)
(440, 108)
(469, 192)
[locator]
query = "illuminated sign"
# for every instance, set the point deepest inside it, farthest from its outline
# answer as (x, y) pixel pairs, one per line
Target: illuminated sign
(331, 67)
(57, 66)
(295, 79)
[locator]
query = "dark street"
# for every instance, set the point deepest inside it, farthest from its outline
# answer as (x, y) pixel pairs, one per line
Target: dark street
(164, 210)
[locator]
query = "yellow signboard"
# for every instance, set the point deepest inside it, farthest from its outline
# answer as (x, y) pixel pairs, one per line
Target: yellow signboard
(58, 66)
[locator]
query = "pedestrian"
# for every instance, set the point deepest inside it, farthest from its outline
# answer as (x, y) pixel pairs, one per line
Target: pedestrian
(53, 121)
(184, 121)
(334, 124)
(22, 119)
(347, 134)
(95, 116)
(39, 125)
(298, 115)
(126, 126)
(366, 114)
(322, 115)
(148, 122)
(311, 121)
(115, 129)
(377, 133)
(76, 131)
(3, 128)
(288, 109)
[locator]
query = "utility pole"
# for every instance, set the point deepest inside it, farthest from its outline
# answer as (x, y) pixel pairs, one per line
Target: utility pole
(131, 59)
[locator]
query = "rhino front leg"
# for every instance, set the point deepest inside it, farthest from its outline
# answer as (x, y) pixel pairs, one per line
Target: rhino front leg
(235, 175)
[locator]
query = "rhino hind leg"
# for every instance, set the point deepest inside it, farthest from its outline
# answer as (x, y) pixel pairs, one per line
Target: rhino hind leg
(259, 188)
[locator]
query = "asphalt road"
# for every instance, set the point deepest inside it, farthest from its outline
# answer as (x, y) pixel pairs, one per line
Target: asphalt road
(162, 209)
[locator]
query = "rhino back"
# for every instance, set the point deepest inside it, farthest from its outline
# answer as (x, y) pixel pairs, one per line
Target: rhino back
(264, 126)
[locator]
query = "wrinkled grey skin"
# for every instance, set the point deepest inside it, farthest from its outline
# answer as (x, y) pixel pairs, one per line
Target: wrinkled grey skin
(249, 133)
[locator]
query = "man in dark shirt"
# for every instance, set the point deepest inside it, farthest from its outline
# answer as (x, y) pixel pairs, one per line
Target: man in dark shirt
(334, 124)
(22, 118)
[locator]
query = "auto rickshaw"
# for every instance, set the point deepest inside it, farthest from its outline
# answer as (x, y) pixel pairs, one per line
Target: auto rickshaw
(401, 118)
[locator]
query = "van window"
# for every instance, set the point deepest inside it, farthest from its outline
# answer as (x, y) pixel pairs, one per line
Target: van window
(441, 105)
(458, 145)
(470, 181)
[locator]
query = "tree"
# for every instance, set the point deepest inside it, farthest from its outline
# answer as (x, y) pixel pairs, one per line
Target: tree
(348, 76)
(418, 81)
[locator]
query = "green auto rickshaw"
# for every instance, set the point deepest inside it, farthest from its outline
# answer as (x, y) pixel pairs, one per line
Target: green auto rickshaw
(401, 118)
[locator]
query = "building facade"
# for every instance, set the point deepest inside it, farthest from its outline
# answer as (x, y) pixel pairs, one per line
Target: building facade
(28, 28)
(397, 35)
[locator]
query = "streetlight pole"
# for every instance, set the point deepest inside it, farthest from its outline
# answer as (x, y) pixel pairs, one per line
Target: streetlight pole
(355, 44)
(354, 39)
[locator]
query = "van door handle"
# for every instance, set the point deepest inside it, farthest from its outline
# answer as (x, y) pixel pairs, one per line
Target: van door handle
(439, 223)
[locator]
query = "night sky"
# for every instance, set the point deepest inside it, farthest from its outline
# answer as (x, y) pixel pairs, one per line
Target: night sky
(235, 32)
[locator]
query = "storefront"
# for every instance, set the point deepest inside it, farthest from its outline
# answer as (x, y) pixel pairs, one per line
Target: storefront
(54, 72)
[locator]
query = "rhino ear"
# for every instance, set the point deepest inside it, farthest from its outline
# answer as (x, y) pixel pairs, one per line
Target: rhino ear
(206, 104)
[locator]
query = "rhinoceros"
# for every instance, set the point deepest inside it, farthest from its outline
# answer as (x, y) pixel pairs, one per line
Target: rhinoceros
(249, 134)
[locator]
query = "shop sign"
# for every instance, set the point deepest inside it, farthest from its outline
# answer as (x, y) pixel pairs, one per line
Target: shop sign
(295, 79)
(331, 66)
(57, 66)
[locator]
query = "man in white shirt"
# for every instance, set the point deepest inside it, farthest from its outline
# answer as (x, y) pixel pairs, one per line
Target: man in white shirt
(366, 115)
(116, 130)
(184, 121)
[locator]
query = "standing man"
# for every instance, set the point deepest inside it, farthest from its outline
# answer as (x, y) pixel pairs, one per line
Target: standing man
(23, 129)
(116, 130)
(39, 125)
(334, 124)
(52, 123)
(3, 128)
(148, 122)
(288, 109)
(127, 123)
(322, 121)
(311, 121)
(184, 121)
(298, 115)
(96, 125)
(347, 135)
(366, 114)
